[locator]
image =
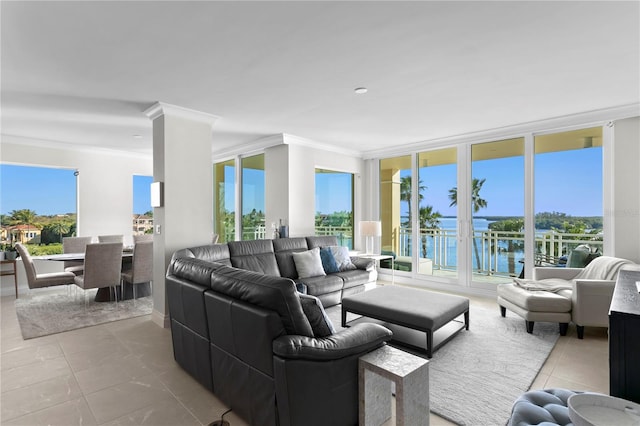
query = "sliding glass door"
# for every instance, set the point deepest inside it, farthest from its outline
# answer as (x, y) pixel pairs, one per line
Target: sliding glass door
(395, 211)
(437, 213)
(225, 200)
(496, 193)
(253, 226)
(568, 194)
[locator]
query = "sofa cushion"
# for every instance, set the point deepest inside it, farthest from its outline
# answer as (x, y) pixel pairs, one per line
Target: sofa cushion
(273, 293)
(536, 301)
(318, 318)
(322, 241)
(255, 255)
(328, 261)
(356, 277)
(283, 248)
(308, 263)
(213, 253)
(341, 255)
(323, 284)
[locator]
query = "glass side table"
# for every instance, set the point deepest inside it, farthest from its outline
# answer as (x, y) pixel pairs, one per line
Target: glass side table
(377, 370)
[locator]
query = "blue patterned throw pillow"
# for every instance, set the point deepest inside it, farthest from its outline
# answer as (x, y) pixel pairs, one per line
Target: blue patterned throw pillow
(328, 261)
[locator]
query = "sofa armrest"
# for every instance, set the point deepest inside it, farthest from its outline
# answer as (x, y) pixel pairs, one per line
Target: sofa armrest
(591, 300)
(544, 272)
(360, 338)
(364, 263)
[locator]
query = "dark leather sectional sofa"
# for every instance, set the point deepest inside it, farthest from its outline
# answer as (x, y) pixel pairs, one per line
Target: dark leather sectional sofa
(240, 329)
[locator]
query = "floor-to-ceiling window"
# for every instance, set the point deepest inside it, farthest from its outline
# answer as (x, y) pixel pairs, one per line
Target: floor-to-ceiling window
(225, 200)
(142, 210)
(471, 203)
(334, 205)
(38, 207)
(568, 193)
(496, 199)
(437, 213)
(395, 210)
(253, 226)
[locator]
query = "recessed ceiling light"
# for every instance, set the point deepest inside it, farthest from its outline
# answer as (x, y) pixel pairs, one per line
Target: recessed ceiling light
(360, 90)
(137, 136)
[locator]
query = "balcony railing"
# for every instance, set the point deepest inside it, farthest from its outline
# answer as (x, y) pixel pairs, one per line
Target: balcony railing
(493, 252)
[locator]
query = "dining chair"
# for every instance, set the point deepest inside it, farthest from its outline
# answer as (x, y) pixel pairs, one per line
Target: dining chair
(111, 239)
(102, 267)
(75, 245)
(141, 266)
(35, 280)
(142, 238)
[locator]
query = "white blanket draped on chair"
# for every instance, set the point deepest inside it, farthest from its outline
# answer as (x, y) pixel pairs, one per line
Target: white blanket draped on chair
(601, 268)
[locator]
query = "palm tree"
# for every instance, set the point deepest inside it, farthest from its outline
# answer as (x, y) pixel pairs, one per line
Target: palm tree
(477, 203)
(428, 220)
(405, 193)
(59, 228)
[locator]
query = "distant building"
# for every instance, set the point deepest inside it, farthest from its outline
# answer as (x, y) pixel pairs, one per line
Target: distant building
(25, 234)
(142, 223)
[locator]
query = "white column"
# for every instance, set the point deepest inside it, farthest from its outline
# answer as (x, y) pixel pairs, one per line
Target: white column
(182, 145)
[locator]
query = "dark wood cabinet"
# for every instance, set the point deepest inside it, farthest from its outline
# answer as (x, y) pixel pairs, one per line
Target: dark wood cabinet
(624, 338)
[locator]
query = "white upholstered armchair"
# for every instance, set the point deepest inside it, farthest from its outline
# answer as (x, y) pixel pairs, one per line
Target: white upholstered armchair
(592, 289)
(580, 295)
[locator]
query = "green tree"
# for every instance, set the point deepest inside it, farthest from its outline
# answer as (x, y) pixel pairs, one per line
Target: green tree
(23, 217)
(428, 220)
(60, 228)
(477, 203)
(405, 194)
(514, 241)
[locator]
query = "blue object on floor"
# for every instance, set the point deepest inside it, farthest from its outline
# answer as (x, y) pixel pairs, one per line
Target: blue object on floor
(542, 408)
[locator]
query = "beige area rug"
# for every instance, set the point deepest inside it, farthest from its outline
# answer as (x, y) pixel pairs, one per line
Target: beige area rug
(50, 313)
(475, 378)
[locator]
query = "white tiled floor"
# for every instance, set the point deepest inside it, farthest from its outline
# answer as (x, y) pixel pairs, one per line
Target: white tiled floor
(123, 373)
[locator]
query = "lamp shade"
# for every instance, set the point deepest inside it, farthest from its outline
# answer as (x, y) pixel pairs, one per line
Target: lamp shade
(370, 228)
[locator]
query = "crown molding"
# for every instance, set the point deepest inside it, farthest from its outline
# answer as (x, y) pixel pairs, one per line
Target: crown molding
(549, 125)
(66, 146)
(275, 140)
(300, 141)
(248, 148)
(160, 108)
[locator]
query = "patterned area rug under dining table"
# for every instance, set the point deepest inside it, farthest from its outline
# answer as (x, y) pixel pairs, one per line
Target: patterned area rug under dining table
(56, 312)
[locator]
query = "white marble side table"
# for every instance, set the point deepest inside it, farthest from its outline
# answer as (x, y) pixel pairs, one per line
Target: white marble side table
(377, 370)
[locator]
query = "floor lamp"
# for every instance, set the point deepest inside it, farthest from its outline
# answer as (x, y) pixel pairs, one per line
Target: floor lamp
(370, 229)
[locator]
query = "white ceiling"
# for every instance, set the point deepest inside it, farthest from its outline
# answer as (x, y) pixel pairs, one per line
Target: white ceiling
(83, 72)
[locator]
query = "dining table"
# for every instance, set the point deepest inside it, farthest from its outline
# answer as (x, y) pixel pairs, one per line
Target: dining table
(104, 294)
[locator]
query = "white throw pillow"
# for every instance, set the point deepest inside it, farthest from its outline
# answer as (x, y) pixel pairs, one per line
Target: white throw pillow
(308, 263)
(341, 254)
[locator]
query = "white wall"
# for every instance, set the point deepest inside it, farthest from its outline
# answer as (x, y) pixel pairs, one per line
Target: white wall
(626, 189)
(300, 162)
(105, 187)
(182, 160)
(276, 160)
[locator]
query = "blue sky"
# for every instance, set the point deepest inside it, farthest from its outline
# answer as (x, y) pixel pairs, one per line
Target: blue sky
(49, 191)
(565, 182)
